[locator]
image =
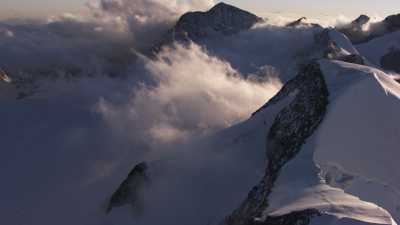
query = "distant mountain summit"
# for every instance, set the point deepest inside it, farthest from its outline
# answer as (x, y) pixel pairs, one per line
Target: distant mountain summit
(221, 19)
(358, 33)
(392, 23)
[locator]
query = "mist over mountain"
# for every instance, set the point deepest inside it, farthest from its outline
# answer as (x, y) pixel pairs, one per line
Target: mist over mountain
(189, 112)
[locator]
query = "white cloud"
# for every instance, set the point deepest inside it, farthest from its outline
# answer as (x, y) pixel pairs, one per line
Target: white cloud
(195, 93)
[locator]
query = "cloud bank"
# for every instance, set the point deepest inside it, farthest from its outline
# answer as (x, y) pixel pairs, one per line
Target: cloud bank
(194, 93)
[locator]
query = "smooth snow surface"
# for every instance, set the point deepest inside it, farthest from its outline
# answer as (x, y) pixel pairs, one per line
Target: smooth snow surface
(299, 187)
(333, 201)
(362, 138)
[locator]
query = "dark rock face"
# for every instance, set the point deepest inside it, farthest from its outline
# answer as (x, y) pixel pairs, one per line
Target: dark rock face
(4, 77)
(361, 20)
(129, 192)
(222, 18)
(301, 22)
(392, 23)
(331, 50)
(291, 128)
(354, 31)
(297, 22)
(391, 61)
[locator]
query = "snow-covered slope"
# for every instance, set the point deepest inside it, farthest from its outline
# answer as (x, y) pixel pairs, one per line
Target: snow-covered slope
(376, 49)
(368, 155)
(348, 148)
(293, 181)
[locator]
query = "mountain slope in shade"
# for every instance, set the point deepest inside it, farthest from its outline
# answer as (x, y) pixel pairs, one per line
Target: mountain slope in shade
(129, 192)
(222, 19)
(383, 51)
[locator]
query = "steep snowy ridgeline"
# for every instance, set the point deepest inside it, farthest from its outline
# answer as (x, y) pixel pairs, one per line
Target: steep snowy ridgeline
(357, 147)
(332, 44)
(237, 147)
(293, 190)
(291, 127)
(342, 42)
(340, 75)
(360, 136)
(247, 138)
(377, 48)
(299, 188)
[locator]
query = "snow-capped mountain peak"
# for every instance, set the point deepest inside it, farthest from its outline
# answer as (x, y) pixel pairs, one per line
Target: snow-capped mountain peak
(221, 19)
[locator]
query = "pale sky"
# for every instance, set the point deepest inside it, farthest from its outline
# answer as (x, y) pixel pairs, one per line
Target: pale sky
(16, 8)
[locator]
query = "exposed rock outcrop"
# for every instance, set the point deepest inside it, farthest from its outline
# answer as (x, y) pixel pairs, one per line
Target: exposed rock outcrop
(331, 49)
(357, 33)
(392, 23)
(360, 21)
(297, 22)
(129, 192)
(301, 22)
(4, 77)
(354, 31)
(391, 61)
(221, 19)
(291, 128)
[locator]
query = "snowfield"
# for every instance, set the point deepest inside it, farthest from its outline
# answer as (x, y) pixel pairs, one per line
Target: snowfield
(337, 143)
